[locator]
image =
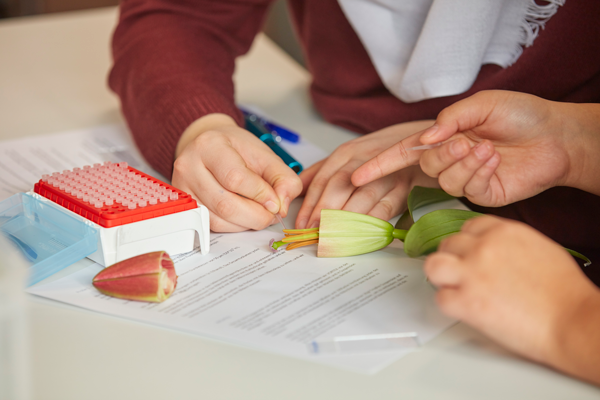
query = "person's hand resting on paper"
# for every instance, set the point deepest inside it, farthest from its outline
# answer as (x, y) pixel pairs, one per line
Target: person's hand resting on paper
(522, 290)
(327, 183)
(235, 175)
(499, 147)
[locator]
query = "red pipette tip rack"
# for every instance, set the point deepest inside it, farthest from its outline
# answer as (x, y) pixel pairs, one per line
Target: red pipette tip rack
(113, 194)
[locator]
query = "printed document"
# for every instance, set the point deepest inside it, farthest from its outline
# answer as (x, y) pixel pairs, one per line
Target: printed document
(240, 292)
(24, 161)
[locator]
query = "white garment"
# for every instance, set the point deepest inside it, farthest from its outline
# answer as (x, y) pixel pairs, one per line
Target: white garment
(424, 49)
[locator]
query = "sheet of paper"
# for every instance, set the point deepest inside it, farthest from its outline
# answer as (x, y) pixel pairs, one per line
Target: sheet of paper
(23, 161)
(243, 294)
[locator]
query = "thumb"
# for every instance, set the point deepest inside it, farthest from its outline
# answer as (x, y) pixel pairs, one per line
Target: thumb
(463, 115)
(284, 181)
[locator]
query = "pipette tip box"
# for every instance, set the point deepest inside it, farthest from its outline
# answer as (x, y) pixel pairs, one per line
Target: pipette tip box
(130, 213)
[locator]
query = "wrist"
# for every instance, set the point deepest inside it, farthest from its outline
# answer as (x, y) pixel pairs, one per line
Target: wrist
(201, 125)
(576, 338)
(581, 135)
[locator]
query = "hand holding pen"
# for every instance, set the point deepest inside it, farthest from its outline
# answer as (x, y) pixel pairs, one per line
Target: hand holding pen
(234, 174)
(494, 148)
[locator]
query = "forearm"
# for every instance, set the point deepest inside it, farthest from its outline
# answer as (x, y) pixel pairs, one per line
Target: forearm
(581, 130)
(173, 64)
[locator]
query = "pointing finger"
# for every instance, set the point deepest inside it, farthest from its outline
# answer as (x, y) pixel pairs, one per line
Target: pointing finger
(391, 160)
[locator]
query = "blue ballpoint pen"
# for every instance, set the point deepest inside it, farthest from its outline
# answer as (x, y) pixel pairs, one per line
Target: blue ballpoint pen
(279, 131)
(254, 125)
(282, 132)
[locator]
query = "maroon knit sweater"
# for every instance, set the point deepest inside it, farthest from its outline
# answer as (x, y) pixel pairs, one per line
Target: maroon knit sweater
(174, 60)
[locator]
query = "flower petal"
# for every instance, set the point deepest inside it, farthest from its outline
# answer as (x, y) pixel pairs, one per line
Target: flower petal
(346, 247)
(345, 233)
(147, 277)
(148, 263)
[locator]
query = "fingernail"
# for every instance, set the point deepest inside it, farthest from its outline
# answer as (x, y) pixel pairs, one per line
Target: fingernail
(458, 148)
(430, 132)
(314, 224)
(482, 150)
(492, 160)
(272, 207)
(301, 224)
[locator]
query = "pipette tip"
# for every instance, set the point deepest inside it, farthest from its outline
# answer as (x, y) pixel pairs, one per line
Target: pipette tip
(425, 146)
(280, 220)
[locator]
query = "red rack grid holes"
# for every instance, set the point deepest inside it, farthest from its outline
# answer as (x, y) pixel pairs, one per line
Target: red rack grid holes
(113, 194)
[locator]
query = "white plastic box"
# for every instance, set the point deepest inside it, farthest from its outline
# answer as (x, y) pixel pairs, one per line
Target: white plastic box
(174, 233)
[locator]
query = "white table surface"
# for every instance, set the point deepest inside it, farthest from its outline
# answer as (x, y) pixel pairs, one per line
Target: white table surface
(53, 78)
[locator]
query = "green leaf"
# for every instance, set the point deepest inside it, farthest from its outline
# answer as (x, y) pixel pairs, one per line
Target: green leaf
(587, 261)
(427, 233)
(421, 196)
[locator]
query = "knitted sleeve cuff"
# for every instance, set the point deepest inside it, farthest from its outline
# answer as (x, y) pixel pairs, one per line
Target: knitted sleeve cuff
(157, 133)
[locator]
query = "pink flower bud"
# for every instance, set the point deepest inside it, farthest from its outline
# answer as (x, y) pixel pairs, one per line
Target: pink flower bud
(147, 277)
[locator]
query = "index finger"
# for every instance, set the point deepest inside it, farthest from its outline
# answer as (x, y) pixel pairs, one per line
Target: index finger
(232, 172)
(391, 160)
(232, 211)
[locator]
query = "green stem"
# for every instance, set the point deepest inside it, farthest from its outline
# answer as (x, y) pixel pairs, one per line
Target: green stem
(277, 245)
(399, 234)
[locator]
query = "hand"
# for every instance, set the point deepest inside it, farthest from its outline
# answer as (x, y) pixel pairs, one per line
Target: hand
(235, 175)
(522, 290)
(500, 147)
(329, 187)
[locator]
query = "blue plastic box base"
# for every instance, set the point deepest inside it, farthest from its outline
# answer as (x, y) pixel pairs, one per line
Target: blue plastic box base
(48, 238)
